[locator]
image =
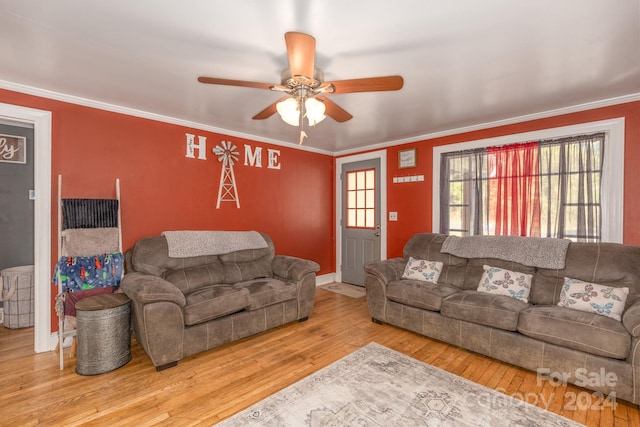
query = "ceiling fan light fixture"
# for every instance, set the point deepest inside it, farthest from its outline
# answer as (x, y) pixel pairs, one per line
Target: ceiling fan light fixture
(315, 110)
(305, 87)
(289, 110)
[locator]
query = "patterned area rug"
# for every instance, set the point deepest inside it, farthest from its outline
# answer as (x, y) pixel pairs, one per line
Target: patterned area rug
(377, 386)
(345, 289)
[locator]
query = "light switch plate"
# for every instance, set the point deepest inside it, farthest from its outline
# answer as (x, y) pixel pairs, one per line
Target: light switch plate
(393, 216)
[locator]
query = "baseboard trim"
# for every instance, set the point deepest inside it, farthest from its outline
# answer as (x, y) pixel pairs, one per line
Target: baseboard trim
(325, 279)
(53, 341)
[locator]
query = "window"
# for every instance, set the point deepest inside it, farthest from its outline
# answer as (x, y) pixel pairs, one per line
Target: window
(361, 192)
(549, 188)
(578, 188)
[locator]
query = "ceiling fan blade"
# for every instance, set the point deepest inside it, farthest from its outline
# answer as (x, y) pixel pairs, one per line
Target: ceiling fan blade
(301, 49)
(370, 84)
(269, 111)
(334, 111)
(229, 82)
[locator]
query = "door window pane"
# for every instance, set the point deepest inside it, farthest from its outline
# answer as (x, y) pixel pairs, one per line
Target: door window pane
(360, 203)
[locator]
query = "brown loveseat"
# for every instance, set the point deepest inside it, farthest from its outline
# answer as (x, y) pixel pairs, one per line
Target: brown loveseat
(185, 305)
(560, 343)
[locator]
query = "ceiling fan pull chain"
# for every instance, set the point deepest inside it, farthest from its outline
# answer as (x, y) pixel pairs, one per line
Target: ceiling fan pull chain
(303, 113)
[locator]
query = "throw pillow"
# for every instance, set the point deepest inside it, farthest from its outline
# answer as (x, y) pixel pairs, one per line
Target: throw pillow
(419, 269)
(593, 298)
(500, 281)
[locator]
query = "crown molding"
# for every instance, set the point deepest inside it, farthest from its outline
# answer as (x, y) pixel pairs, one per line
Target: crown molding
(519, 119)
(30, 90)
(72, 99)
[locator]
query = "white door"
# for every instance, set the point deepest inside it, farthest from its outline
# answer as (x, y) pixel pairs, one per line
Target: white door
(360, 218)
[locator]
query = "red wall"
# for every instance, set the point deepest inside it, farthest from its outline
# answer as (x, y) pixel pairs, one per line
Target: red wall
(412, 200)
(162, 190)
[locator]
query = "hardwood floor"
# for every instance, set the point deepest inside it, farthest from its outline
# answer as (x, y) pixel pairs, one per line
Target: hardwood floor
(211, 386)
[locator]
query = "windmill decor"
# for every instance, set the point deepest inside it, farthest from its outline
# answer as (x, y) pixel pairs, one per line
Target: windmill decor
(228, 155)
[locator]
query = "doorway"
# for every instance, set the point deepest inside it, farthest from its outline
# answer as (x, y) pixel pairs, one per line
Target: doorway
(16, 183)
(361, 219)
(41, 122)
(361, 229)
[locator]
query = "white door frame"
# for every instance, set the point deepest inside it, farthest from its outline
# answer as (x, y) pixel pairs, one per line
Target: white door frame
(41, 121)
(382, 155)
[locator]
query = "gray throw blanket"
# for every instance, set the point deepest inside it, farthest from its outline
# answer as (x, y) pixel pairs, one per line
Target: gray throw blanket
(184, 244)
(90, 241)
(531, 251)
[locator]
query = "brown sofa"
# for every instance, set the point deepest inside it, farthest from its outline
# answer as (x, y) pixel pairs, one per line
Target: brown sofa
(560, 343)
(183, 306)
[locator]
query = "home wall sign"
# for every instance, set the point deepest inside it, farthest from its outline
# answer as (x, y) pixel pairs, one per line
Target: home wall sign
(252, 157)
(228, 155)
(13, 149)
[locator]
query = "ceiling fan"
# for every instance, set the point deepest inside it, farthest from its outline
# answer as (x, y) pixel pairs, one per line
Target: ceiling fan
(305, 87)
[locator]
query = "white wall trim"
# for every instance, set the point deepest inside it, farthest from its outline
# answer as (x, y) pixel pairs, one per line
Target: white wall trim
(151, 116)
(41, 121)
(612, 197)
(325, 279)
(509, 121)
(16, 87)
(382, 155)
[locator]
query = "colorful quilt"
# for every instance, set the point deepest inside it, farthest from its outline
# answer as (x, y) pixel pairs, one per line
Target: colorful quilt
(81, 273)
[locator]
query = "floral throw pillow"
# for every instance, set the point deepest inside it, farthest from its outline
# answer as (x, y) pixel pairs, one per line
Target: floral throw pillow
(593, 298)
(419, 269)
(499, 281)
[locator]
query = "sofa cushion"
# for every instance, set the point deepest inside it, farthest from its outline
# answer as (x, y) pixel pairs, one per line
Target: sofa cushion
(419, 294)
(423, 270)
(499, 281)
(214, 301)
(609, 264)
(428, 246)
(190, 279)
(264, 292)
(235, 272)
(588, 332)
(497, 311)
(593, 298)
(150, 255)
(475, 270)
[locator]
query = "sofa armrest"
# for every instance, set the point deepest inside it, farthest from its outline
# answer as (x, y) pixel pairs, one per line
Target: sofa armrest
(293, 268)
(631, 318)
(387, 270)
(145, 288)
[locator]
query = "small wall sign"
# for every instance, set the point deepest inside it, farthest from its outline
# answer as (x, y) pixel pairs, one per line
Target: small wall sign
(13, 149)
(407, 158)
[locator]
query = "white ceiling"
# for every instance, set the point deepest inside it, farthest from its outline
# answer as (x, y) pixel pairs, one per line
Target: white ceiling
(465, 63)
